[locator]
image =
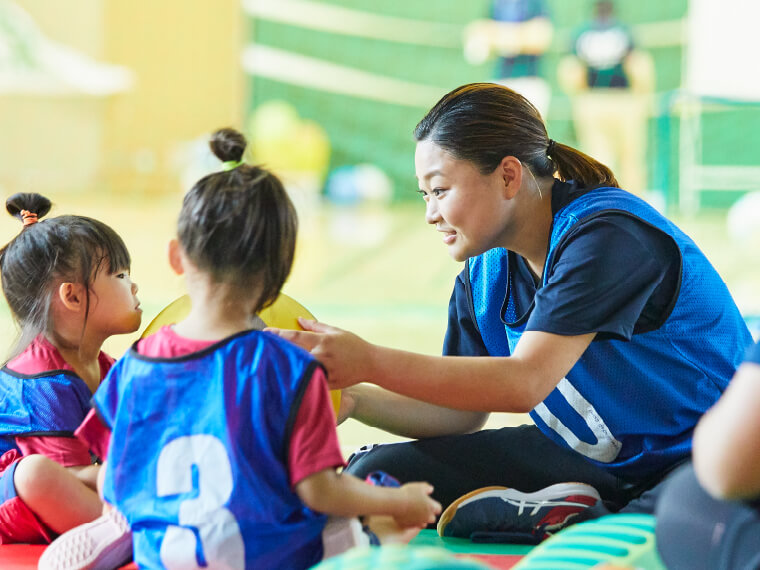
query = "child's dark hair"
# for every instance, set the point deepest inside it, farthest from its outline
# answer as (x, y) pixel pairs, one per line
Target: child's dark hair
(61, 249)
(484, 122)
(239, 225)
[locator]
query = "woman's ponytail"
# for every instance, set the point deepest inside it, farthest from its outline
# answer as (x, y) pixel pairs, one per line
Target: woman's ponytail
(572, 164)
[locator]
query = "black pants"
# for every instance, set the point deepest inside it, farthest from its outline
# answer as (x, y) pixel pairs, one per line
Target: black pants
(698, 532)
(518, 457)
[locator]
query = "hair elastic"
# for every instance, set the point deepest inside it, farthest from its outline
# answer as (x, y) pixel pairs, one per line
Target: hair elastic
(550, 147)
(231, 164)
(28, 217)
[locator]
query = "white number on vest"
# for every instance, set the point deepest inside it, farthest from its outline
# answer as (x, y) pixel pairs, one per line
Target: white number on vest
(221, 543)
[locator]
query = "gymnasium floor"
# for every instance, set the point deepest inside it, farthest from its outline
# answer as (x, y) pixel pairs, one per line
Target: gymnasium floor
(380, 272)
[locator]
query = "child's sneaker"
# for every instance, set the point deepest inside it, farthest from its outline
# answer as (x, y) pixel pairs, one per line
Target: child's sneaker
(103, 544)
(500, 514)
(342, 534)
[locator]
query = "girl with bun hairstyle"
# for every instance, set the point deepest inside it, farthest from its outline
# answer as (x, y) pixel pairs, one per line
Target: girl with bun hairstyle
(223, 449)
(66, 280)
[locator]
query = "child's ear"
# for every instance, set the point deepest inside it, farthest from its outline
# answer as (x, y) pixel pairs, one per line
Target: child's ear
(175, 257)
(72, 296)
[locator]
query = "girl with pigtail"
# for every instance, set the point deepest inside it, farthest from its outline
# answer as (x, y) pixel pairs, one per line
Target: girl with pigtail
(578, 303)
(66, 280)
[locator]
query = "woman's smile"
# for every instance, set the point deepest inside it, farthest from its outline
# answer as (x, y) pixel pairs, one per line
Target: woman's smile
(449, 236)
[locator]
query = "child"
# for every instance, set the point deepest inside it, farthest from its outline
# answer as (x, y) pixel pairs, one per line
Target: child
(708, 515)
(223, 449)
(66, 280)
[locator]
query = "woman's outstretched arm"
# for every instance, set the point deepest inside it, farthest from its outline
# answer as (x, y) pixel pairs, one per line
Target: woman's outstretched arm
(515, 383)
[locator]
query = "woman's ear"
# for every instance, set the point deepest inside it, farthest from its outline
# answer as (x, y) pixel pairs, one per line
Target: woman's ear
(175, 257)
(511, 171)
(72, 296)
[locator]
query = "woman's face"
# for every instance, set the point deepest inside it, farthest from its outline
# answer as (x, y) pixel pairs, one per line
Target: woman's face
(469, 208)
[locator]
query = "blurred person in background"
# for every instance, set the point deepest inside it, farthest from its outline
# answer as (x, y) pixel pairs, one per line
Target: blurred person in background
(517, 33)
(609, 82)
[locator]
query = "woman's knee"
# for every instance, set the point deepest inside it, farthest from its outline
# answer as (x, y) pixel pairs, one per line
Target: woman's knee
(365, 460)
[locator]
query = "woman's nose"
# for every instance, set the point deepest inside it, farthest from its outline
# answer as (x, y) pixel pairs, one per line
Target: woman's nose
(431, 211)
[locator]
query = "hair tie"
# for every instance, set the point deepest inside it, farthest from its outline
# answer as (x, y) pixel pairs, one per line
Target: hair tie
(28, 217)
(231, 164)
(550, 147)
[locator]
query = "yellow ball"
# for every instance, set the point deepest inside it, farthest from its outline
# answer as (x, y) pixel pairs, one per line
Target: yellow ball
(283, 314)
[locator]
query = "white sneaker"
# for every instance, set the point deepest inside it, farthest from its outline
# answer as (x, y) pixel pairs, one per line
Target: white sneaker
(103, 544)
(341, 534)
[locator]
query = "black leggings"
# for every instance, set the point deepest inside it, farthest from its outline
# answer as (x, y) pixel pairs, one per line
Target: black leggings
(518, 457)
(698, 532)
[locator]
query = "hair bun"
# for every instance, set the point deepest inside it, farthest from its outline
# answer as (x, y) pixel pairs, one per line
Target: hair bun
(228, 144)
(35, 203)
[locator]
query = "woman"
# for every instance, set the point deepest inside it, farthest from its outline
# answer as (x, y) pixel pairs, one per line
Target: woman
(578, 303)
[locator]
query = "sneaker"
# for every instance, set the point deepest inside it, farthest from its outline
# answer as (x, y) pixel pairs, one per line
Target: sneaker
(103, 544)
(500, 514)
(342, 534)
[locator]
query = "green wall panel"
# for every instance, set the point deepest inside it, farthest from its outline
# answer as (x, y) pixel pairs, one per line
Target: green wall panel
(363, 130)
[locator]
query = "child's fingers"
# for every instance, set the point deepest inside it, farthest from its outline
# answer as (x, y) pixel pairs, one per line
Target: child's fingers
(426, 488)
(435, 507)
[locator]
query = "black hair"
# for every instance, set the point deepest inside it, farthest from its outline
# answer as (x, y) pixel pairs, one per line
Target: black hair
(484, 122)
(239, 225)
(64, 248)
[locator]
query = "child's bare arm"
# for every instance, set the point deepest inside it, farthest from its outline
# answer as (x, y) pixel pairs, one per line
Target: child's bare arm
(726, 447)
(344, 495)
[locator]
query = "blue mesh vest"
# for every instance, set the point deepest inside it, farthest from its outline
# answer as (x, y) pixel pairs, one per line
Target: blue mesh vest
(198, 459)
(628, 406)
(48, 404)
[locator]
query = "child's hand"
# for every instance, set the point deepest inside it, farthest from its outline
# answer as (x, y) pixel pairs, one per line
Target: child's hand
(420, 509)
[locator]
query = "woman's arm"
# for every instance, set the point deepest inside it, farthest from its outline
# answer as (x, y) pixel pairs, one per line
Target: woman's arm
(345, 495)
(515, 383)
(406, 416)
(727, 439)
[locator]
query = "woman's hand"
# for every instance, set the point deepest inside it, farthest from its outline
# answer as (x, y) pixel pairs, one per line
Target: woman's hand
(346, 357)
